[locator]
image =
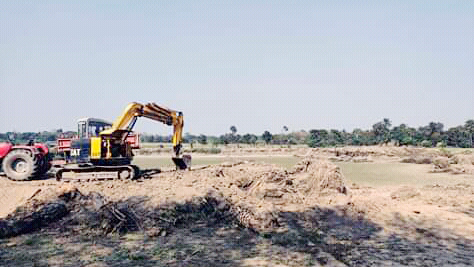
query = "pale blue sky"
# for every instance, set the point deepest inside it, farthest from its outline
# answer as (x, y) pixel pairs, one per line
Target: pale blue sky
(258, 65)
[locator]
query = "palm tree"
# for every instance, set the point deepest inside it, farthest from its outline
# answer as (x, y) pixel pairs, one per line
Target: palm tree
(233, 129)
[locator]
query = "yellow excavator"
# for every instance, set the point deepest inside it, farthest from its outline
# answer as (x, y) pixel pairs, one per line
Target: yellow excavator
(102, 150)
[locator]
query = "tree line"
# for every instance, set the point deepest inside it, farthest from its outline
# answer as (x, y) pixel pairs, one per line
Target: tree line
(44, 136)
(382, 132)
(430, 135)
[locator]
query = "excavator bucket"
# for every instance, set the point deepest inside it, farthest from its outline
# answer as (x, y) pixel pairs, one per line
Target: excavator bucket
(182, 163)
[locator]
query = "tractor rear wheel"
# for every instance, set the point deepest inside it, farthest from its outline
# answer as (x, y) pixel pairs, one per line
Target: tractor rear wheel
(20, 165)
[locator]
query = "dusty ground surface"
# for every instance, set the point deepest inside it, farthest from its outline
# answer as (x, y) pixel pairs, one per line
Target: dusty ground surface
(247, 214)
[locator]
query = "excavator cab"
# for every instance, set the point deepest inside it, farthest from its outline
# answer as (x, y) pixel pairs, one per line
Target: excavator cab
(91, 127)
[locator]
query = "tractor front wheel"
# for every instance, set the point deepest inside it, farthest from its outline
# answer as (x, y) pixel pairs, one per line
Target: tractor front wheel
(19, 165)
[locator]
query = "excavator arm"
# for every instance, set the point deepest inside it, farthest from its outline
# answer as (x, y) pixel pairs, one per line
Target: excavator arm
(152, 111)
(168, 117)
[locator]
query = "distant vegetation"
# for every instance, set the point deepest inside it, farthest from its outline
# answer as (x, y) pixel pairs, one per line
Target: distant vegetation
(431, 135)
(45, 136)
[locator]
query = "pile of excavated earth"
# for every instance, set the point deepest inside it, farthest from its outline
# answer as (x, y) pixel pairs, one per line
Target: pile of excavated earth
(251, 193)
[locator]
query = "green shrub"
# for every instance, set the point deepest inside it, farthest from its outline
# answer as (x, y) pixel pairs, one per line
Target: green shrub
(426, 143)
(441, 145)
(445, 152)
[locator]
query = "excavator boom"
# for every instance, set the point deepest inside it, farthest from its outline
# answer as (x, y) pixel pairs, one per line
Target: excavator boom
(168, 117)
(152, 111)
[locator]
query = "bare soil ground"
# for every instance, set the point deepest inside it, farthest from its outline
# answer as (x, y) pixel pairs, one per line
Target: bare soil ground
(246, 214)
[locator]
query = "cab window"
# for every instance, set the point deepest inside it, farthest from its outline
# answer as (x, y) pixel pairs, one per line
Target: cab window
(93, 131)
(82, 130)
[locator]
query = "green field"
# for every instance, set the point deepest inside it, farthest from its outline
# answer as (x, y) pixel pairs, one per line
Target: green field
(394, 173)
(370, 174)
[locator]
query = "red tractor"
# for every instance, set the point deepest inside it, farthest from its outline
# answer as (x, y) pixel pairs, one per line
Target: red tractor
(24, 162)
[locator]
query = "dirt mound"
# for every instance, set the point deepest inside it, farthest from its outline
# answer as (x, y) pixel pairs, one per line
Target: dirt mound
(315, 177)
(417, 160)
(369, 154)
(356, 155)
(378, 151)
(251, 193)
(467, 159)
(306, 183)
(93, 213)
(453, 165)
(373, 153)
(405, 193)
(453, 169)
(12, 196)
(35, 214)
(260, 191)
(309, 179)
(356, 159)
